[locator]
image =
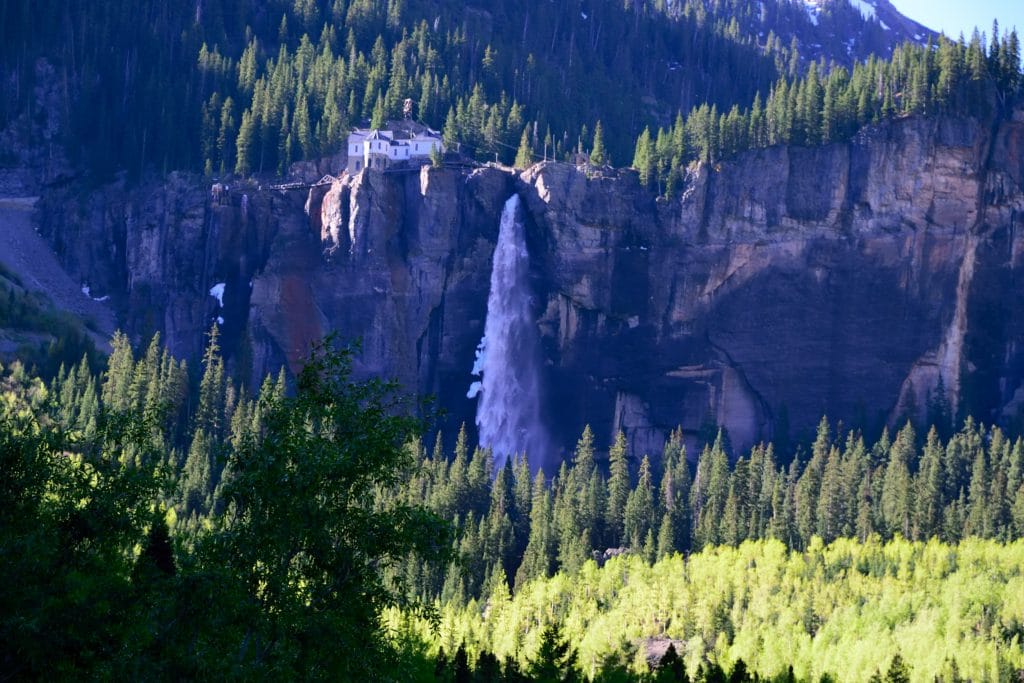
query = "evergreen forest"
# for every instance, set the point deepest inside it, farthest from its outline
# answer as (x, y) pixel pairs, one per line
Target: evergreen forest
(240, 86)
(305, 530)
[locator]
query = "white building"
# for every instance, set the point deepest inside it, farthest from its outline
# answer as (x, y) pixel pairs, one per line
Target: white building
(400, 142)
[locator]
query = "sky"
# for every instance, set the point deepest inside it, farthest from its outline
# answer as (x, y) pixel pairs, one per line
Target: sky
(955, 16)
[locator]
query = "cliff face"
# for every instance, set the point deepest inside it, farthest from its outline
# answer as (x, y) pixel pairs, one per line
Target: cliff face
(788, 284)
(783, 285)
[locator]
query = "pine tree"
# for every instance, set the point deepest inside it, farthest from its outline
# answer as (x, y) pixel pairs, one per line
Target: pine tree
(120, 369)
(210, 411)
(666, 536)
(227, 137)
(928, 489)
(897, 503)
(302, 131)
(524, 155)
(378, 119)
(555, 661)
(523, 497)
(244, 144)
(538, 558)
(809, 485)
(831, 510)
(898, 671)
(671, 668)
(710, 492)
(644, 158)
(598, 154)
(478, 478)
(978, 511)
(674, 492)
(286, 144)
(197, 478)
(729, 531)
(638, 515)
(618, 491)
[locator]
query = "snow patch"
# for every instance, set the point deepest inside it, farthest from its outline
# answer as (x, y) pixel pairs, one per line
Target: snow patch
(478, 368)
(220, 320)
(813, 8)
(87, 290)
(481, 355)
(867, 10)
(584, 15)
(217, 292)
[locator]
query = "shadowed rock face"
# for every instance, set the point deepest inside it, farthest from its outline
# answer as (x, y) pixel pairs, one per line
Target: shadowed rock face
(780, 286)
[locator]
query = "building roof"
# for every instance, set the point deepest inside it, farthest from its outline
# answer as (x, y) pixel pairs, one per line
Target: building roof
(397, 130)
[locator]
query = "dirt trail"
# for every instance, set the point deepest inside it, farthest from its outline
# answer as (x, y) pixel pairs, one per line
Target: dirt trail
(28, 255)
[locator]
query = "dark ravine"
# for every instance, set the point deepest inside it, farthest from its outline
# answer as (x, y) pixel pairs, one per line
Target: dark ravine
(782, 285)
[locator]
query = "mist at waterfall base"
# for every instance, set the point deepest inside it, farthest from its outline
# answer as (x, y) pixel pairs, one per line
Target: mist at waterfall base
(508, 358)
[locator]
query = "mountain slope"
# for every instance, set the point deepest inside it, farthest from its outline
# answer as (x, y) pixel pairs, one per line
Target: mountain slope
(146, 84)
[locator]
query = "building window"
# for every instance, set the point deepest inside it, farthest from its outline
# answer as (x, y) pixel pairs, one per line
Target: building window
(359, 165)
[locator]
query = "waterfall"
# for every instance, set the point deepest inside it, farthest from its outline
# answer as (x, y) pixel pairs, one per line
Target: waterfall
(508, 357)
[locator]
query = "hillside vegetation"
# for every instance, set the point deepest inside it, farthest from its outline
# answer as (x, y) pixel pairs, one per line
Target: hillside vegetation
(245, 86)
(846, 611)
(133, 492)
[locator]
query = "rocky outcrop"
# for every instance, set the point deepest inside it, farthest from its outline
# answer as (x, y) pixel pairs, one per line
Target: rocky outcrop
(32, 154)
(779, 286)
(788, 284)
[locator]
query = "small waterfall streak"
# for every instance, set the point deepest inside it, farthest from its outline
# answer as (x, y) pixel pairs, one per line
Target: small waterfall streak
(508, 357)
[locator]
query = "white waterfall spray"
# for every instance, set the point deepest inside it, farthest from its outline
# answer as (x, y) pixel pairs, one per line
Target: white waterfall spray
(508, 358)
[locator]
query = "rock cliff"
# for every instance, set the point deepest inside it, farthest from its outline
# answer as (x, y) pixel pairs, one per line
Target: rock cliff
(779, 286)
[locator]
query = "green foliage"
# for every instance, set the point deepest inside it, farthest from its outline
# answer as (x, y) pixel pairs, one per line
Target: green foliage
(598, 154)
(72, 515)
(524, 155)
(643, 158)
(64, 339)
(286, 579)
(831, 105)
(307, 70)
(555, 661)
(293, 523)
(531, 528)
(913, 610)
(257, 85)
(302, 541)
